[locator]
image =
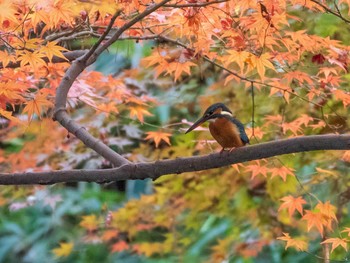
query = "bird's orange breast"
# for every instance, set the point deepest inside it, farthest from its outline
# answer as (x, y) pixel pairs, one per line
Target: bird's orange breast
(225, 133)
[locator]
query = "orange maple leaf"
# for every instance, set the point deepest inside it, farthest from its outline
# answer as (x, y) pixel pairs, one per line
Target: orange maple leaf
(52, 49)
(292, 203)
(260, 64)
(139, 112)
(177, 68)
(328, 213)
(109, 234)
(336, 242)
(296, 243)
(282, 172)
(346, 230)
(89, 222)
(8, 115)
(314, 219)
(120, 246)
(33, 59)
(36, 105)
(6, 58)
(158, 136)
(257, 169)
(343, 96)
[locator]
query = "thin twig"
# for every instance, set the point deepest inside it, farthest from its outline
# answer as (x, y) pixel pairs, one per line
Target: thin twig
(103, 36)
(196, 4)
(327, 9)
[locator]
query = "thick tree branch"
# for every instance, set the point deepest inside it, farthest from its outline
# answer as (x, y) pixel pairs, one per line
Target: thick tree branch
(156, 169)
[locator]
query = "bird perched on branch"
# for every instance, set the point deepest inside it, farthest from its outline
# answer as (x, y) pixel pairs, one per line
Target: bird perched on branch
(226, 130)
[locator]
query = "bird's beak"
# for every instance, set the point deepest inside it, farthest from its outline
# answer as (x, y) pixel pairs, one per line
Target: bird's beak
(197, 123)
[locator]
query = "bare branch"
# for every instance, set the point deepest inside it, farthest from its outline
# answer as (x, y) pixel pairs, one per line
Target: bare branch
(123, 28)
(328, 10)
(197, 4)
(156, 169)
(103, 36)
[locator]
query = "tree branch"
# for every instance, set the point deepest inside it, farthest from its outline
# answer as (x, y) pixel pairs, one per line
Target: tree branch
(328, 10)
(70, 55)
(196, 4)
(71, 75)
(157, 169)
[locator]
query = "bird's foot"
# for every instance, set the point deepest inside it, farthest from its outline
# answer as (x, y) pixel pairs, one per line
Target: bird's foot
(230, 151)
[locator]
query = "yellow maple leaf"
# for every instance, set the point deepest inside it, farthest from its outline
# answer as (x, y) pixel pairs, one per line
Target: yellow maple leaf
(336, 242)
(36, 105)
(89, 222)
(296, 243)
(63, 250)
(158, 136)
(52, 49)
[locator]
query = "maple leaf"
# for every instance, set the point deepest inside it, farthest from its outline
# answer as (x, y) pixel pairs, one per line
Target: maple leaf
(110, 234)
(260, 64)
(60, 11)
(7, 11)
(257, 169)
(139, 112)
(282, 172)
(158, 136)
(328, 213)
(63, 250)
(318, 59)
(33, 59)
(120, 246)
(258, 132)
(89, 222)
(6, 58)
(314, 219)
(346, 230)
(8, 115)
(36, 105)
(298, 244)
(292, 203)
(52, 49)
(343, 96)
(336, 242)
(346, 156)
(238, 57)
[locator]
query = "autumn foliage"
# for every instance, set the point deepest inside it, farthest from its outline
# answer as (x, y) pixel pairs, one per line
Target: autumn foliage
(281, 66)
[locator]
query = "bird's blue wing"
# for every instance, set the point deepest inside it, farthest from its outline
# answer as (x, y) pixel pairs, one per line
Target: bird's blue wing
(240, 127)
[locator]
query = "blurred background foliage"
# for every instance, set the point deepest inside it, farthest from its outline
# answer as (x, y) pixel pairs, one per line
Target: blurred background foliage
(193, 217)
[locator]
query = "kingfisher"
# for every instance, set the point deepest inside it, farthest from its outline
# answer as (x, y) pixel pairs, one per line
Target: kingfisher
(226, 130)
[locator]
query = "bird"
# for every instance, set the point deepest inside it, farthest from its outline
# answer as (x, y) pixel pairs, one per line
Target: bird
(226, 130)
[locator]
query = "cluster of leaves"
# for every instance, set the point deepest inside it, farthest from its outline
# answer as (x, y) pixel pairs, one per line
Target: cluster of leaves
(265, 57)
